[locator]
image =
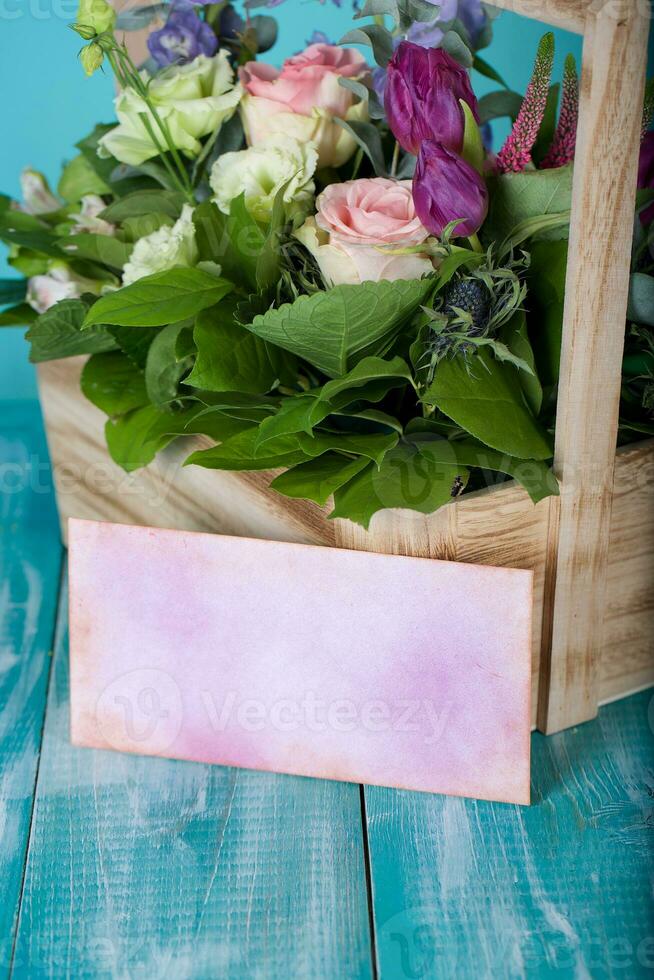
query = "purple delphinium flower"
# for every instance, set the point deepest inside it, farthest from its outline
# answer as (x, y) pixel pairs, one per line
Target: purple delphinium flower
(424, 87)
(446, 187)
(182, 38)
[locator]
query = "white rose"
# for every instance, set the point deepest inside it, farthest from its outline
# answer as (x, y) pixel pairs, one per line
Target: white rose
(192, 100)
(59, 283)
(87, 220)
(261, 171)
(165, 248)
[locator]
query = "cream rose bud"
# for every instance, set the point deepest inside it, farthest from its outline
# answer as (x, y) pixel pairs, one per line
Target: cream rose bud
(353, 220)
(261, 171)
(59, 283)
(303, 100)
(165, 248)
(193, 101)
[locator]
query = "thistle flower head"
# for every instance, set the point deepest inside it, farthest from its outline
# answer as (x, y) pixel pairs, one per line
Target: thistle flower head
(515, 155)
(562, 150)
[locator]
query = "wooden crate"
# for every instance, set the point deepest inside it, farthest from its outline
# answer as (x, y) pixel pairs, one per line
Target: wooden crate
(592, 549)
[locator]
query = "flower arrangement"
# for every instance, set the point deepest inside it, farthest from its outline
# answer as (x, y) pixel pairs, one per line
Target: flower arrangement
(323, 267)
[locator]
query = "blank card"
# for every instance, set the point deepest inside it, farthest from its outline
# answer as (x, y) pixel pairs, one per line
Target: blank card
(403, 672)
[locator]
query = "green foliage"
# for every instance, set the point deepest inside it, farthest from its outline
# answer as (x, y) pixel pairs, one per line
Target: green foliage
(363, 320)
(229, 356)
(58, 333)
(546, 284)
(79, 178)
(166, 297)
(113, 383)
(517, 197)
(641, 299)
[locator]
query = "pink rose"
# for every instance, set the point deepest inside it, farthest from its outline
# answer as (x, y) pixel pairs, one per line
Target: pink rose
(353, 220)
(303, 99)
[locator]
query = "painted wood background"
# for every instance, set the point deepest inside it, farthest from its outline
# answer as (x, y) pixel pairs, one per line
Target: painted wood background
(117, 866)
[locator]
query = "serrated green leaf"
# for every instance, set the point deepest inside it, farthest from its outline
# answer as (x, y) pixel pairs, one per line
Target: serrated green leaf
(166, 297)
(485, 399)
(113, 384)
(406, 478)
(318, 478)
(57, 333)
(163, 368)
(336, 329)
(229, 356)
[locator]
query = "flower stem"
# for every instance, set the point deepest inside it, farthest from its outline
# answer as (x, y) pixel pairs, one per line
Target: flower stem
(395, 160)
(475, 244)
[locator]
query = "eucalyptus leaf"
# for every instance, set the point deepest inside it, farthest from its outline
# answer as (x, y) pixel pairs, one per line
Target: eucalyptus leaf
(367, 137)
(166, 297)
(138, 18)
(482, 66)
(377, 37)
(496, 105)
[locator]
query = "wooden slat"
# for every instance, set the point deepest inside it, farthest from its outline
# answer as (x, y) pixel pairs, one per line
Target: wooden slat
(30, 557)
(143, 867)
(567, 14)
(562, 888)
(608, 137)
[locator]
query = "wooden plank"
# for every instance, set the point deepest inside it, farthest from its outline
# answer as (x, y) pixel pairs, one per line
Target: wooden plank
(567, 14)
(470, 889)
(142, 867)
(30, 558)
(613, 73)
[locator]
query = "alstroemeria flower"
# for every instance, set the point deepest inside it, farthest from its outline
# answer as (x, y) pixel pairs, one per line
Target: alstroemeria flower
(303, 99)
(446, 187)
(60, 282)
(422, 96)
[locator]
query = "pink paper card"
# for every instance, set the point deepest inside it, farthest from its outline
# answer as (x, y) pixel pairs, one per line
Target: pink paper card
(404, 672)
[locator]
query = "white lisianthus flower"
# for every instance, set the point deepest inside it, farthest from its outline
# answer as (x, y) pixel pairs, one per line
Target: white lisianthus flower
(60, 282)
(261, 171)
(87, 220)
(192, 100)
(165, 248)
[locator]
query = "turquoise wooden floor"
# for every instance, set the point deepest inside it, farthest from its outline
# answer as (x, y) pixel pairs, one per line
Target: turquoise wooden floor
(116, 866)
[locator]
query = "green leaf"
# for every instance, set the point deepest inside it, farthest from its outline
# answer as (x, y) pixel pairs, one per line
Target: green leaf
(473, 148)
(367, 137)
(238, 453)
(164, 368)
(229, 356)
(453, 43)
(234, 241)
(482, 66)
(134, 343)
(268, 267)
(374, 446)
(296, 414)
(104, 249)
(375, 36)
(641, 299)
(113, 384)
(517, 197)
(18, 316)
(12, 291)
(138, 18)
(336, 329)
(406, 478)
(142, 203)
(547, 126)
(21, 229)
(144, 224)
(485, 399)
(318, 478)
(533, 474)
(135, 439)
(495, 105)
(79, 178)
(369, 380)
(57, 333)
(546, 285)
(514, 335)
(166, 297)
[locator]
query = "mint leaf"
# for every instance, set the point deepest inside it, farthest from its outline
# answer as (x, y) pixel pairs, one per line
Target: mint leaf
(336, 329)
(484, 397)
(166, 297)
(238, 453)
(58, 333)
(318, 478)
(164, 367)
(229, 356)
(113, 384)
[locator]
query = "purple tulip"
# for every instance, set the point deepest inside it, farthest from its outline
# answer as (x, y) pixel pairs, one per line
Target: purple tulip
(446, 187)
(423, 88)
(183, 38)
